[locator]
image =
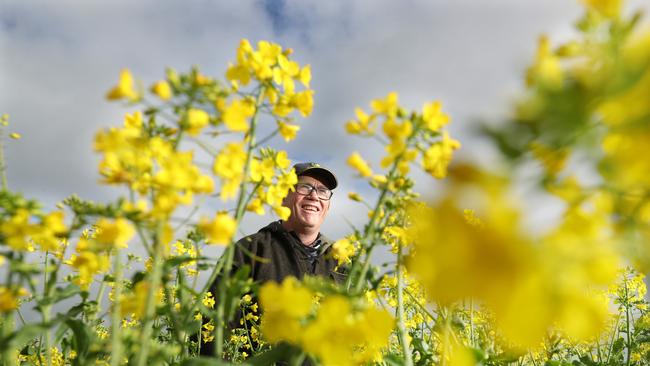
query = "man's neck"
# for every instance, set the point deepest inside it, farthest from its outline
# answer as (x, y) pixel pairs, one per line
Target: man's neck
(305, 235)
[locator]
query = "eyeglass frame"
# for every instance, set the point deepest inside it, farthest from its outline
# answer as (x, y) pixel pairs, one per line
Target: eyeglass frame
(313, 188)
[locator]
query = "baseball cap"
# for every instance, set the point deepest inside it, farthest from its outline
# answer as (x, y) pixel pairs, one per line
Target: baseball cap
(317, 171)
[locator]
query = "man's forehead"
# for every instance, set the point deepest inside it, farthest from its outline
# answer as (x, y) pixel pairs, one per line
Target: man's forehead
(311, 180)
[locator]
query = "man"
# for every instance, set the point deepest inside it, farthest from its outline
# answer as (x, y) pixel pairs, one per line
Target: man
(294, 247)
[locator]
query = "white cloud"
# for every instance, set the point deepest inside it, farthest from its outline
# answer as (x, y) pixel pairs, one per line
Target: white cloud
(60, 58)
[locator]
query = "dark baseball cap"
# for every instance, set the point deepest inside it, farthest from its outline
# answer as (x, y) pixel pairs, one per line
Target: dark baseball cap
(317, 171)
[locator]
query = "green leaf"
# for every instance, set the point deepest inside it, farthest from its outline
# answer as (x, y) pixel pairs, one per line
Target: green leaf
(81, 339)
(60, 294)
(23, 335)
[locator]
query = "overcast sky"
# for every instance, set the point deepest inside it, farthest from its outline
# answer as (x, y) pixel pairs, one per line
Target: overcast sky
(58, 59)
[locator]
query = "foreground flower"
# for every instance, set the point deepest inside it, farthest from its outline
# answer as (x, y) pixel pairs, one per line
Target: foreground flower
(356, 161)
(343, 250)
(114, 233)
(220, 230)
(162, 90)
(124, 88)
(338, 335)
(9, 299)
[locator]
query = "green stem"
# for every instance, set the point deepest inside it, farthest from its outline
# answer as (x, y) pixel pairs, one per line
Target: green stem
(471, 322)
(116, 316)
(627, 324)
(403, 336)
(221, 323)
(369, 234)
(46, 312)
(150, 303)
(3, 166)
(8, 357)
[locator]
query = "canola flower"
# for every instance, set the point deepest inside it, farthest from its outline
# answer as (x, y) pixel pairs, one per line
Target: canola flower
(337, 335)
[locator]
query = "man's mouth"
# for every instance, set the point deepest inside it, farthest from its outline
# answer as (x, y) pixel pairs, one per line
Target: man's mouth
(310, 208)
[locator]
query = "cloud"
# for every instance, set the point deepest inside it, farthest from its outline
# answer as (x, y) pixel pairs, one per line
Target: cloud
(60, 58)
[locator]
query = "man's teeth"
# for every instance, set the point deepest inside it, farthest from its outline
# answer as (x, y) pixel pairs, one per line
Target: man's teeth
(310, 208)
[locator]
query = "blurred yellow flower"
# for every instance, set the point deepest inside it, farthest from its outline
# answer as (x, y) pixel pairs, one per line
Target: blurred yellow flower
(304, 102)
(284, 304)
(220, 230)
(282, 212)
(388, 106)
(288, 131)
(124, 88)
(433, 116)
(229, 166)
(547, 70)
(162, 90)
(343, 250)
(236, 115)
(9, 299)
(134, 303)
(305, 75)
(18, 230)
(114, 233)
(356, 161)
(196, 120)
(608, 8)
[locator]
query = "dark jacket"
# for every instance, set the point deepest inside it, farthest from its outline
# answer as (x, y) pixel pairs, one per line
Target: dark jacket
(284, 255)
(273, 254)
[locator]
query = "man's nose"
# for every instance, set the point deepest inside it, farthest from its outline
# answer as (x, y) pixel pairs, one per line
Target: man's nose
(313, 195)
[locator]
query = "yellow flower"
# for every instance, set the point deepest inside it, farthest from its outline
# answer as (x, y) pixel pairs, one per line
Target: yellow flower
(229, 166)
(547, 69)
(282, 212)
(15, 135)
(288, 131)
(114, 233)
(355, 197)
(608, 8)
(207, 333)
(124, 88)
(220, 230)
(304, 102)
(386, 106)
(437, 157)
(263, 171)
(87, 263)
(356, 161)
(134, 303)
(196, 120)
(305, 76)
(281, 160)
(433, 116)
(284, 305)
(162, 90)
(339, 336)
(47, 234)
(256, 205)
(208, 300)
(17, 230)
(236, 115)
(342, 250)
(9, 298)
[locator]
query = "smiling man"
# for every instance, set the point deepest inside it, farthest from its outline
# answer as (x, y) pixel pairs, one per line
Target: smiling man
(295, 247)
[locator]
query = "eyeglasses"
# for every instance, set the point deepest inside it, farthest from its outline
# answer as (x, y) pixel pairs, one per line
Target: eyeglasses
(305, 189)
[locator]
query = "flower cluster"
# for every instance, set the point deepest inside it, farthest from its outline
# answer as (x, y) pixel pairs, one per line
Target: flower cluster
(338, 333)
(409, 135)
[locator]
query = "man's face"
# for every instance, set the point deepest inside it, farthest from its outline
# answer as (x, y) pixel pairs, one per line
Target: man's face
(307, 211)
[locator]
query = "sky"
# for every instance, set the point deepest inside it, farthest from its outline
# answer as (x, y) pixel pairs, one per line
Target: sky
(59, 58)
